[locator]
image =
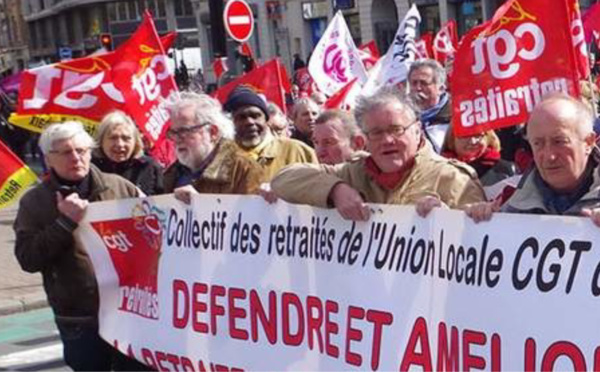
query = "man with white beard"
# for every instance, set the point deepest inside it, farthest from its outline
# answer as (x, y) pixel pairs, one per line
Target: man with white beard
(252, 134)
(208, 161)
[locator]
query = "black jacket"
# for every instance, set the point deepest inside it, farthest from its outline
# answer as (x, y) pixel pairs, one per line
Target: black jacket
(143, 172)
(45, 243)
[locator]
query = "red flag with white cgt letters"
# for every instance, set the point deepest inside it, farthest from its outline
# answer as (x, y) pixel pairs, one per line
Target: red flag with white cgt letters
(134, 78)
(504, 67)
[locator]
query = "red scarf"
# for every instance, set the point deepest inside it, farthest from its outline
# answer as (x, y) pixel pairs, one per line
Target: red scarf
(387, 180)
(488, 156)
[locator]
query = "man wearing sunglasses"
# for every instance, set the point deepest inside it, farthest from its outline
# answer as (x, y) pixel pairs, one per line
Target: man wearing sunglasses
(208, 161)
(402, 168)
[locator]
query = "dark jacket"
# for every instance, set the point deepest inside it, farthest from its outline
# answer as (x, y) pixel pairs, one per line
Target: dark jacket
(45, 243)
(500, 170)
(229, 172)
(143, 172)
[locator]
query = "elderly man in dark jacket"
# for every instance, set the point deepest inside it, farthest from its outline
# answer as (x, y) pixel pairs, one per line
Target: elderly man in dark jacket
(566, 178)
(48, 214)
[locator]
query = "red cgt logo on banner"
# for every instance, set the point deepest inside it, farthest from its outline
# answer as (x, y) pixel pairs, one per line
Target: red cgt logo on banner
(504, 67)
(134, 246)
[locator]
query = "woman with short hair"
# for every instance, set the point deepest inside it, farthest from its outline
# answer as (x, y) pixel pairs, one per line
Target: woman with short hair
(480, 151)
(121, 150)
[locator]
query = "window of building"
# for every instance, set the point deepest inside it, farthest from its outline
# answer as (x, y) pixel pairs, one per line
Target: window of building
(162, 10)
(112, 12)
(70, 27)
(132, 8)
(42, 5)
(122, 11)
(33, 36)
(183, 8)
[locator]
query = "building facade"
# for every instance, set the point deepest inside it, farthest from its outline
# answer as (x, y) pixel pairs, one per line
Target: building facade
(13, 38)
(282, 27)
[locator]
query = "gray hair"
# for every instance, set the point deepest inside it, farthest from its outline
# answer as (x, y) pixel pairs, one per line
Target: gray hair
(349, 126)
(112, 120)
(207, 109)
(303, 102)
(439, 73)
(383, 97)
(273, 109)
(62, 131)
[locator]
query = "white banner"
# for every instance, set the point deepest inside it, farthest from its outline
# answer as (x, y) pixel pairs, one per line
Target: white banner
(336, 61)
(232, 283)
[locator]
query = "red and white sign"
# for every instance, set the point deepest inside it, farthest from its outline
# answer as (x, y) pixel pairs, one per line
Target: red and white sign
(504, 67)
(239, 20)
(225, 291)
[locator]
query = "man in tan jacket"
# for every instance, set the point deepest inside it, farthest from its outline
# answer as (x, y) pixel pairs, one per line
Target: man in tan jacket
(402, 168)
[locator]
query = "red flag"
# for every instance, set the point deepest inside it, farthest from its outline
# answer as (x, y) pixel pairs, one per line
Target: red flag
(168, 39)
(245, 50)
(303, 79)
(372, 48)
(425, 45)
(142, 76)
(591, 23)
(578, 36)
(270, 80)
(445, 41)
(369, 54)
(15, 176)
(134, 78)
(220, 67)
(345, 98)
(504, 67)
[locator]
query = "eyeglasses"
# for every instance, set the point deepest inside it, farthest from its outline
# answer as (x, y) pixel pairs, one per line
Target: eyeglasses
(79, 152)
(180, 133)
(396, 131)
(420, 83)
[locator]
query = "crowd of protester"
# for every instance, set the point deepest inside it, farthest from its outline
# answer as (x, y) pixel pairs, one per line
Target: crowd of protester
(395, 147)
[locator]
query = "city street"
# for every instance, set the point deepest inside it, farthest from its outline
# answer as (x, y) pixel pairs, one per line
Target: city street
(29, 341)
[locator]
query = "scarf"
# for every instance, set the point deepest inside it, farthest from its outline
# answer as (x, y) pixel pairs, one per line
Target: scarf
(481, 162)
(254, 153)
(387, 180)
(187, 176)
(83, 187)
(430, 113)
(562, 202)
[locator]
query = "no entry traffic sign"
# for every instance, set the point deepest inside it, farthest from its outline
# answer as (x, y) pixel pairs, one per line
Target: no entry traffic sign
(239, 20)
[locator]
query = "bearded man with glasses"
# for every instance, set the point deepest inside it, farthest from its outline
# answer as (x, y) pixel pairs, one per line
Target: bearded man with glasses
(47, 217)
(402, 168)
(208, 161)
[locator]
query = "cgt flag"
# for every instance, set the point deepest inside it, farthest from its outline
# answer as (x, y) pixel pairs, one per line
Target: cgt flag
(336, 60)
(134, 78)
(15, 176)
(504, 67)
(445, 41)
(424, 46)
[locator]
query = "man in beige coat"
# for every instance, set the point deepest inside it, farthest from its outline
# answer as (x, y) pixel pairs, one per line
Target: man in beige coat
(402, 168)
